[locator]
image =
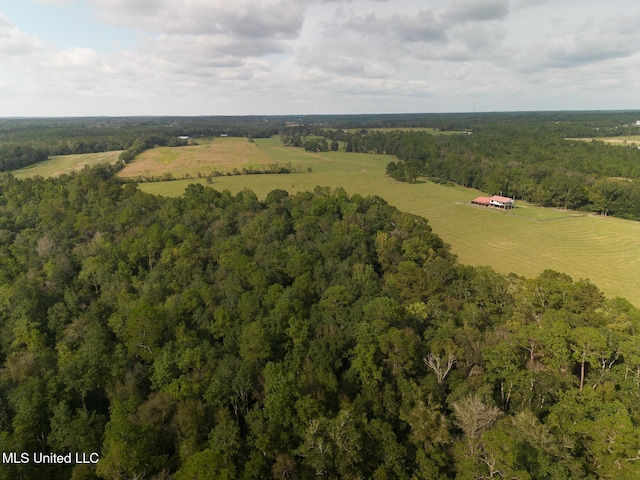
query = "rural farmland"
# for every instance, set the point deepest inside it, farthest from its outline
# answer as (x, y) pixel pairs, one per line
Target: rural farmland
(525, 241)
(208, 156)
(332, 239)
(621, 140)
(135, 308)
(62, 164)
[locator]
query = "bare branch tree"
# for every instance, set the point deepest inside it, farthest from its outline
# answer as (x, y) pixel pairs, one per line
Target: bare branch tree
(474, 417)
(434, 363)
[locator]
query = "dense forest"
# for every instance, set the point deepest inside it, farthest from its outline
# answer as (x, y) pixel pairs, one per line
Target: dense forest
(314, 335)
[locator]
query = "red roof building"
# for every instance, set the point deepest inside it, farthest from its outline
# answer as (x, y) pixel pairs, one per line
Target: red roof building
(495, 201)
(484, 201)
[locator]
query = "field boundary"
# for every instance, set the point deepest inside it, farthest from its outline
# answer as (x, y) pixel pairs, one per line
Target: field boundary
(585, 246)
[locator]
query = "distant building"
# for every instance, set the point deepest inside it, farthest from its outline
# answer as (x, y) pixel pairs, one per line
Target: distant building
(483, 201)
(495, 201)
(183, 137)
(502, 202)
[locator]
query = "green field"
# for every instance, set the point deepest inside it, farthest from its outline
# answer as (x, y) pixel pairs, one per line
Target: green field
(525, 241)
(222, 154)
(621, 140)
(66, 164)
(433, 131)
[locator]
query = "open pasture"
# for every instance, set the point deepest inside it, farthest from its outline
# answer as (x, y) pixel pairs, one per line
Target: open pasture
(352, 171)
(59, 165)
(525, 241)
(622, 140)
(221, 154)
(433, 131)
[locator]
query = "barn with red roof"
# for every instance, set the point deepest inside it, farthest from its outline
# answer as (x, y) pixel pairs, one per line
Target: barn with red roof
(495, 201)
(484, 201)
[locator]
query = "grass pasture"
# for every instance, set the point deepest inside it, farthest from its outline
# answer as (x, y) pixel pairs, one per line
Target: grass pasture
(221, 154)
(604, 250)
(622, 140)
(354, 172)
(59, 165)
(526, 240)
(432, 131)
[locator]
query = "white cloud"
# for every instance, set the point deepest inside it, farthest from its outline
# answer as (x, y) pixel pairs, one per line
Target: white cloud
(592, 42)
(421, 26)
(74, 59)
(245, 18)
(477, 11)
(212, 48)
(245, 56)
(342, 62)
(14, 42)
(525, 4)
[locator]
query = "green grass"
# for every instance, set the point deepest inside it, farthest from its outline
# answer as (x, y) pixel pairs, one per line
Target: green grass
(355, 172)
(526, 240)
(621, 140)
(210, 155)
(603, 250)
(433, 131)
(165, 156)
(66, 164)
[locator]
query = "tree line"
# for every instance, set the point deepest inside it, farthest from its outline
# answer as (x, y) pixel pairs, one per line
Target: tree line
(541, 167)
(300, 336)
(24, 142)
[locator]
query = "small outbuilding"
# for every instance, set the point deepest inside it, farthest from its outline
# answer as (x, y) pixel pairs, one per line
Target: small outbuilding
(495, 201)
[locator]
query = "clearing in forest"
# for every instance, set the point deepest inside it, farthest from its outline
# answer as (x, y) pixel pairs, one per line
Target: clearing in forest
(432, 131)
(61, 164)
(221, 154)
(622, 140)
(526, 240)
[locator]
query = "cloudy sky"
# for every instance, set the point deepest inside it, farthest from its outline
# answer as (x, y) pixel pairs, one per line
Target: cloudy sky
(234, 57)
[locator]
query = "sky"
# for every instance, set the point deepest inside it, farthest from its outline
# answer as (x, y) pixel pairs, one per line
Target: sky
(279, 57)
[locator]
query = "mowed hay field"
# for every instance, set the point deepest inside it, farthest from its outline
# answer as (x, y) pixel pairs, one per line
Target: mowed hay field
(355, 172)
(433, 131)
(525, 241)
(622, 140)
(59, 165)
(221, 154)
